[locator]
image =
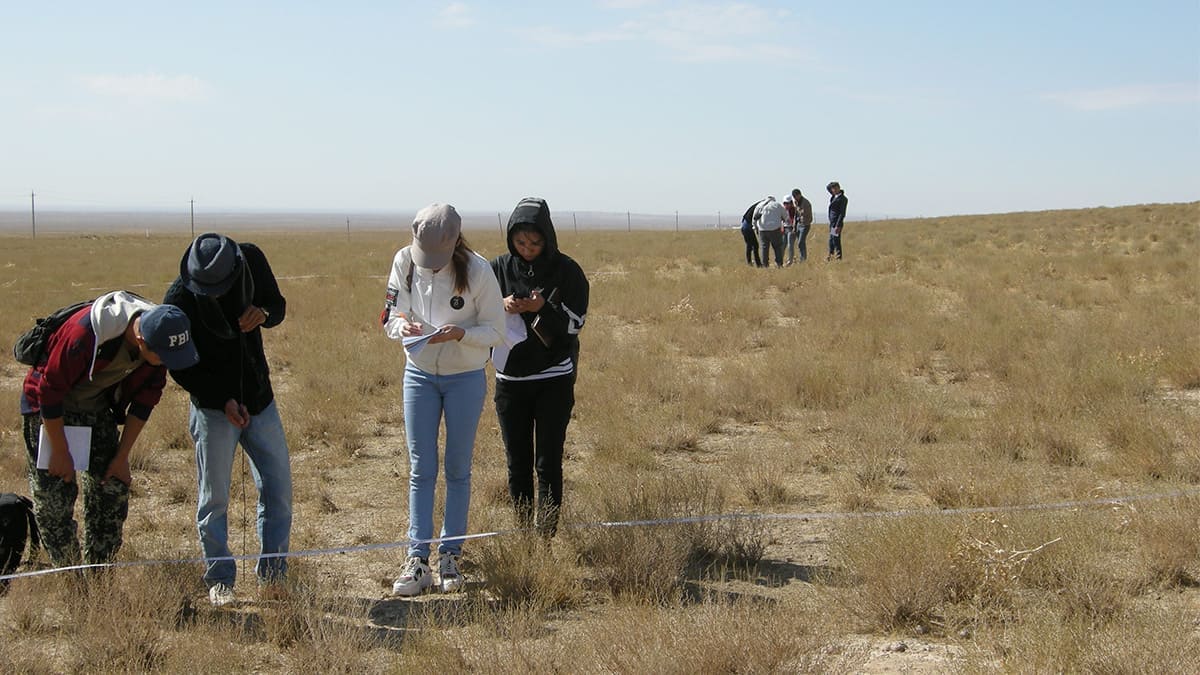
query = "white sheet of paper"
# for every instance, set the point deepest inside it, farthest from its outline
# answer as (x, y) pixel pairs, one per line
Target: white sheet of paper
(79, 443)
(514, 333)
(414, 344)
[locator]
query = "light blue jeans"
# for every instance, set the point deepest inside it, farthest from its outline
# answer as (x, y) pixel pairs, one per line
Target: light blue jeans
(789, 235)
(427, 398)
(265, 445)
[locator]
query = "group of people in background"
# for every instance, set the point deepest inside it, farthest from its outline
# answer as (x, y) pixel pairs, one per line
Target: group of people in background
(104, 370)
(769, 226)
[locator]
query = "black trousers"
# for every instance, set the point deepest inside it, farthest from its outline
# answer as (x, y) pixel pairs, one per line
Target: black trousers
(751, 240)
(835, 246)
(533, 417)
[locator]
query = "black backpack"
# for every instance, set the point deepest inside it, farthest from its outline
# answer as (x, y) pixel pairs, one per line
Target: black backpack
(16, 527)
(31, 346)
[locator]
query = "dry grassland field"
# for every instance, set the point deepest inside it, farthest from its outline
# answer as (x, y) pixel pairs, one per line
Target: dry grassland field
(972, 446)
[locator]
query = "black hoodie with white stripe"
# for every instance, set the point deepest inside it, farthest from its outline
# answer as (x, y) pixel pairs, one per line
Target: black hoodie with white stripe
(561, 281)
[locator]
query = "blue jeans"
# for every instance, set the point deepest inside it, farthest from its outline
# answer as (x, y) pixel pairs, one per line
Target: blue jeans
(427, 398)
(789, 236)
(835, 246)
(802, 240)
(264, 443)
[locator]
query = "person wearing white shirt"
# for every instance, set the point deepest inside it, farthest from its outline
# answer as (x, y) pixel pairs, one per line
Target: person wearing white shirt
(770, 215)
(441, 290)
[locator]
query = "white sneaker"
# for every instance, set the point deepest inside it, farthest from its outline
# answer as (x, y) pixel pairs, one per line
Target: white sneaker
(220, 595)
(414, 577)
(449, 575)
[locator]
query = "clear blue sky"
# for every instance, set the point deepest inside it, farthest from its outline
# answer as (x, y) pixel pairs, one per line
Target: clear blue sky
(918, 108)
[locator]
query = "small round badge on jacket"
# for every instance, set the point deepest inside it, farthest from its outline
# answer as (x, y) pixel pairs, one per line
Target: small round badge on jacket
(457, 302)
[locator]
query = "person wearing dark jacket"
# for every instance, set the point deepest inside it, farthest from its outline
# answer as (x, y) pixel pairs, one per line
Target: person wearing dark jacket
(230, 294)
(837, 217)
(545, 303)
(104, 366)
(749, 235)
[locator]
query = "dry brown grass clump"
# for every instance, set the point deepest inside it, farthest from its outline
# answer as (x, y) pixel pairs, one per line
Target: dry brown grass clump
(655, 562)
(984, 572)
(523, 571)
(1168, 541)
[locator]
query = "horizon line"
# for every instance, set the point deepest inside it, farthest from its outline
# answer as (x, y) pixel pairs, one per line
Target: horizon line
(560, 212)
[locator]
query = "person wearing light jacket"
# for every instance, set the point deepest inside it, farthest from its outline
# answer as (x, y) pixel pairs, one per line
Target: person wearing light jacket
(546, 302)
(770, 215)
(104, 366)
(444, 304)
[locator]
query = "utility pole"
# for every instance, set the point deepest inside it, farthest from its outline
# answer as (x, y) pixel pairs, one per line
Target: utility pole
(718, 220)
(500, 223)
(676, 221)
(32, 216)
(628, 223)
(192, 203)
(573, 220)
(347, 228)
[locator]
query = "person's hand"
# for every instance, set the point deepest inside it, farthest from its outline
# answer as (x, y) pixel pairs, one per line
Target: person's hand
(410, 328)
(119, 469)
(237, 414)
(448, 333)
(535, 302)
(252, 318)
(513, 304)
(62, 465)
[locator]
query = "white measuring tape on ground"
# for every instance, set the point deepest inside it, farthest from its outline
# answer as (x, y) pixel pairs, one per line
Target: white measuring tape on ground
(813, 515)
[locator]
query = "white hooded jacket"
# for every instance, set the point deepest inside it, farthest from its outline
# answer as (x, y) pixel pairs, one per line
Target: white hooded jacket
(110, 316)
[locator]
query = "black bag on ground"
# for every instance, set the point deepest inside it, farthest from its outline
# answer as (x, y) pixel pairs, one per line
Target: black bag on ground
(16, 527)
(30, 347)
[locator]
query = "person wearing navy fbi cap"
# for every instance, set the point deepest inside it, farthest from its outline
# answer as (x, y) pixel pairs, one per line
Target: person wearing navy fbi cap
(84, 404)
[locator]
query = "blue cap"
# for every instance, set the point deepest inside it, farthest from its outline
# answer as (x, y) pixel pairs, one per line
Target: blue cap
(167, 332)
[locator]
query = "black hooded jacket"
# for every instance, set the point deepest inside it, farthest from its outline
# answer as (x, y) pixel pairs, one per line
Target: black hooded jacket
(232, 364)
(561, 281)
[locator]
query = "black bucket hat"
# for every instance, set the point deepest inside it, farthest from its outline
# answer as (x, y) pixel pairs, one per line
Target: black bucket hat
(211, 265)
